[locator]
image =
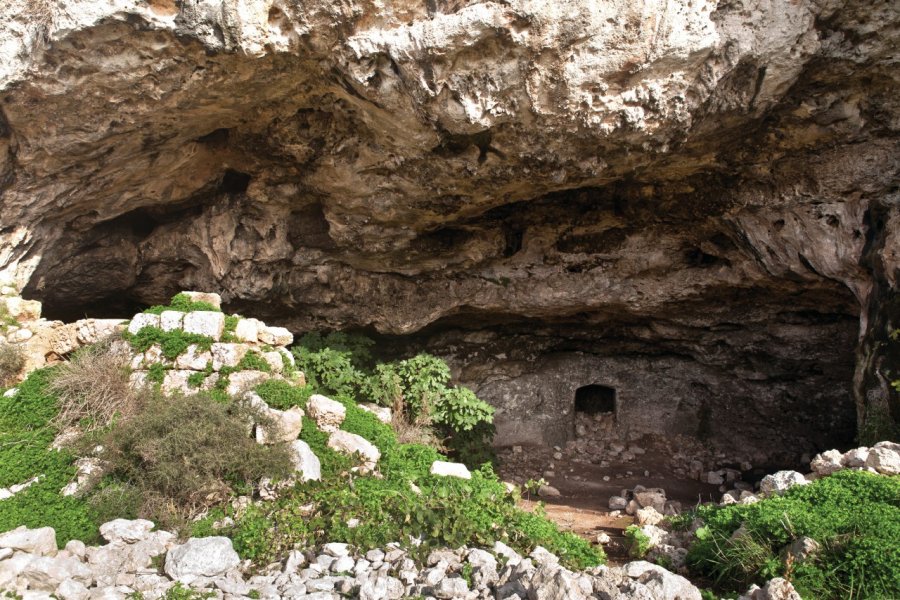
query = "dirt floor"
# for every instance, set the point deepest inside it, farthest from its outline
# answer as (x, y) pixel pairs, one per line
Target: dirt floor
(585, 488)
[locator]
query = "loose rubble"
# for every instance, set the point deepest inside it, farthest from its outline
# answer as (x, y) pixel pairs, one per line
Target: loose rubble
(33, 568)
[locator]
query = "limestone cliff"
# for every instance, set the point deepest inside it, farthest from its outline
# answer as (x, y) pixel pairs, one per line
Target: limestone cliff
(692, 202)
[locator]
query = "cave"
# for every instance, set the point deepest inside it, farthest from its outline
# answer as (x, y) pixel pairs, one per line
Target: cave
(713, 232)
(595, 400)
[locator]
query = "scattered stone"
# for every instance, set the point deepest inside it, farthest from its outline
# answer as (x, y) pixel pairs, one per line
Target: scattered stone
(124, 530)
(450, 469)
(275, 336)
(884, 458)
(548, 491)
(201, 557)
(617, 503)
(41, 541)
(652, 497)
(350, 443)
(305, 461)
(283, 426)
(649, 516)
(328, 413)
(780, 482)
(383, 413)
(827, 463)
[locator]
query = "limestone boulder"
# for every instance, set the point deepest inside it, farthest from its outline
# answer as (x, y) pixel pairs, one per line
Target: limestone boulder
(328, 413)
(41, 541)
(201, 558)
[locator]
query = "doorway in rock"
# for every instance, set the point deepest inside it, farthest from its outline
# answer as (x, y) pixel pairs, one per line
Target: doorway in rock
(595, 400)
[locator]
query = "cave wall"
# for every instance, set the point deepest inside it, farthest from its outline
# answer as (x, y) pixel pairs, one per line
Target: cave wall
(695, 201)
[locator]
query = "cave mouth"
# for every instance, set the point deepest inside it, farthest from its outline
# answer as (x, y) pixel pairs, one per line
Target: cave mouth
(595, 400)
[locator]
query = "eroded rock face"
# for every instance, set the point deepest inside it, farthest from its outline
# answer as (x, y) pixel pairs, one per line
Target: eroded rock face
(692, 203)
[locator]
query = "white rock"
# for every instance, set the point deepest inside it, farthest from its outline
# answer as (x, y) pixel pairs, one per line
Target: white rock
(776, 589)
(201, 557)
(780, 482)
(40, 541)
(382, 412)
(884, 459)
(275, 336)
(210, 298)
(176, 380)
(856, 458)
(45, 573)
(662, 584)
(247, 330)
(350, 443)
(285, 426)
(205, 322)
(125, 530)
(20, 335)
(273, 359)
(337, 550)
(227, 354)
(305, 461)
(240, 382)
(21, 309)
(827, 462)
(171, 320)
(193, 358)
(91, 331)
(451, 587)
(72, 590)
(10, 392)
(450, 469)
(142, 320)
(327, 413)
(649, 516)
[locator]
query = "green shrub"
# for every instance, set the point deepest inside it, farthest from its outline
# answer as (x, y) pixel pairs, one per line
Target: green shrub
(173, 343)
(26, 433)
(638, 541)
(12, 361)
(282, 395)
(445, 512)
(186, 453)
(253, 361)
(417, 389)
(854, 515)
(182, 303)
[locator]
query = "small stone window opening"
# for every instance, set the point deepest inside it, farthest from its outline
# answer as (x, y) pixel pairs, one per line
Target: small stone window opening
(595, 399)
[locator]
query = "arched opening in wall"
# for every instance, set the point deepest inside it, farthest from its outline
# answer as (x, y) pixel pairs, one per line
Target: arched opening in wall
(595, 400)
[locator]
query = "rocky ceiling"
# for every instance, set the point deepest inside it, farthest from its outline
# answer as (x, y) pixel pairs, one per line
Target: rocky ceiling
(607, 179)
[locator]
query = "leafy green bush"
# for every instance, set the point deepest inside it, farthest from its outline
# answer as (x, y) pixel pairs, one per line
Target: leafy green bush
(26, 433)
(11, 363)
(182, 303)
(854, 515)
(173, 343)
(443, 512)
(282, 395)
(416, 388)
(186, 453)
(638, 541)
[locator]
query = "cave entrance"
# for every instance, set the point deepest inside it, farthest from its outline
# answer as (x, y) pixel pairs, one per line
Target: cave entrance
(595, 400)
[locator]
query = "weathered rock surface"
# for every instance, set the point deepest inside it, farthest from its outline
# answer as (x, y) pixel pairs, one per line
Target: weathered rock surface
(599, 190)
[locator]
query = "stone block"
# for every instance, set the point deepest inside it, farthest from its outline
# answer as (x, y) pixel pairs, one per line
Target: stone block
(205, 322)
